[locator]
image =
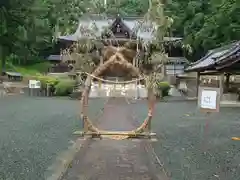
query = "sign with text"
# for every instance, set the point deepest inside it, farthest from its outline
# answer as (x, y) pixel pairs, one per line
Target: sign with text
(34, 84)
(209, 99)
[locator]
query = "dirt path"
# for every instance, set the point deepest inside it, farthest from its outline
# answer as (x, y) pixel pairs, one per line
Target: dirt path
(112, 159)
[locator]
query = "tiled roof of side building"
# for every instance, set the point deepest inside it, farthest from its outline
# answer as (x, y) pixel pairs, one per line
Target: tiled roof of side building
(178, 60)
(14, 74)
(214, 56)
(54, 58)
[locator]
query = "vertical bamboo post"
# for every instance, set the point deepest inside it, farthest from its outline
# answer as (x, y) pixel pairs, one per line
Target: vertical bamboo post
(227, 81)
(137, 63)
(151, 101)
(198, 83)
(136, 90)
(114, 85)
(221, 85)
(99, 84)
(101, 60)
(150, 125)
(99, 87)
(84, 102)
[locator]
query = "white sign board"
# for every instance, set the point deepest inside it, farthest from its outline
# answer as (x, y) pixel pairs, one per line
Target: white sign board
(209, 99)
(34, 84)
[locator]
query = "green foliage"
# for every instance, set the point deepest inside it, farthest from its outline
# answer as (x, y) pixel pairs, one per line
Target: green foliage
(35, 69)
(29, 29)
(28, 70)
(38, 67)
(47, 80)
(164, 87)
(64, 87)
(205, 24)
(127, 7)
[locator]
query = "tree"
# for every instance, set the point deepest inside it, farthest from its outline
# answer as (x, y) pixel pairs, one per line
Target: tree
(28, 26)
(162, 23)
(205, 24)
(11, 17)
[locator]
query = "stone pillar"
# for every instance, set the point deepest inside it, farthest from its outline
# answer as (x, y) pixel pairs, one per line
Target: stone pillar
(221, 85)
(198, 83)
(227, 81)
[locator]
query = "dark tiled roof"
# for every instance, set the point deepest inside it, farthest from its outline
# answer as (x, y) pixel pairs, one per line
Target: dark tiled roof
(54, 58)
(14, 74)
(172, 60)
(100, 23)
(177, 60)
(214, 57)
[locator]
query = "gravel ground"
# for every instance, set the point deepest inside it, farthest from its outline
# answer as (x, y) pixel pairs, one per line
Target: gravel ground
(34, 131)
(109, 159)
(188, 150)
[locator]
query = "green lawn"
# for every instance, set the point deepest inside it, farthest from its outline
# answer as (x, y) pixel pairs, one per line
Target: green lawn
(34, 69)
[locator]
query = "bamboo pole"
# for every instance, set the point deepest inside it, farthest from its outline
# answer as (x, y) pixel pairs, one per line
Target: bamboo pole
(111, 133)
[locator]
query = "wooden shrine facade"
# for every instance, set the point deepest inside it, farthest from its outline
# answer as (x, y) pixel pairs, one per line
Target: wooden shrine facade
(117, 32)
(113, 28)
(222, 62)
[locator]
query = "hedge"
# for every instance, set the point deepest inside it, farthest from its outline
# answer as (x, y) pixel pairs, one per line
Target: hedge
(164, 87)
(64, 87)
(61, 86)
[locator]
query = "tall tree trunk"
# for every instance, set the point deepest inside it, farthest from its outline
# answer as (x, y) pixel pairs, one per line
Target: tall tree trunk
(3, 60)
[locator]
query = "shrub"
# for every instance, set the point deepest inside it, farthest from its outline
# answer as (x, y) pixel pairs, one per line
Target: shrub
(47, 80)
(58, 86)
(164, 87)
(64, 87)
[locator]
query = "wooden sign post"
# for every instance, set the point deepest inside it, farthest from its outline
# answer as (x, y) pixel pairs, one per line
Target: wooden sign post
(208, 102)
(208, 99)
(33, 85)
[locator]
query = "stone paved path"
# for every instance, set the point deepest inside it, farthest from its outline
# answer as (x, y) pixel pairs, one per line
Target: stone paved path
(112, 159)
